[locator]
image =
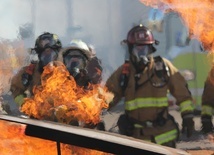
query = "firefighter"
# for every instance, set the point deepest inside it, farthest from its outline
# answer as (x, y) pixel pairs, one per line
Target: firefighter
(144, 82)
(47, 47)
(208, 104)
(82, 63)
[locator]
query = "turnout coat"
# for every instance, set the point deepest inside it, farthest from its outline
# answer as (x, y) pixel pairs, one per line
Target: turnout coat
(145, 104)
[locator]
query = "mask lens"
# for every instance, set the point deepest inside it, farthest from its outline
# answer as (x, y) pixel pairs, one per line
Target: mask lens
(74, 63)
(141, 50)
(47, 56)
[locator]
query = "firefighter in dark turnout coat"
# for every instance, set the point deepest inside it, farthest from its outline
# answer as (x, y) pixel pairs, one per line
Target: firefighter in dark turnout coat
(47, 47)
(84, 66)
(208, 104)
(144, 81)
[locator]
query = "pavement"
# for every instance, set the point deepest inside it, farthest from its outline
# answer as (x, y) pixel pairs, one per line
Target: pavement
(197, 141)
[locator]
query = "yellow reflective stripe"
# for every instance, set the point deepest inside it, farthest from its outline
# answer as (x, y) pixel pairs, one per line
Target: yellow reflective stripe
(186, 106)
(146, 102)
(166, 137)
(207, 110)
(138, 126)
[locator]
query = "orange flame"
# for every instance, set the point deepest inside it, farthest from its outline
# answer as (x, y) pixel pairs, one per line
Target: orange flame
(14, 141)
(59, 97)
(196, 14)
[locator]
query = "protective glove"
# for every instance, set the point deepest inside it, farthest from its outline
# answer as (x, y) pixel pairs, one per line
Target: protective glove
(100, 126)
(126, 127)
(26, 78)
(188, 125)
(108, 96)
(207, 126)
(19, 99)
(60, 114)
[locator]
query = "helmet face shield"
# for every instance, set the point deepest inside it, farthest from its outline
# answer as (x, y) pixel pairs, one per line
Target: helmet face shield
(47, 40)
(47, 56)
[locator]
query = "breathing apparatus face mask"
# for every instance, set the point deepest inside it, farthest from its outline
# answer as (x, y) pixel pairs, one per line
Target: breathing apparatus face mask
(47, 56)
(141, 53)
(75, 63)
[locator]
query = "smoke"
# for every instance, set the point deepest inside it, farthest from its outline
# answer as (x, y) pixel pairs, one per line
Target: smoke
(12, 58)
(197, 15)
(102, 24)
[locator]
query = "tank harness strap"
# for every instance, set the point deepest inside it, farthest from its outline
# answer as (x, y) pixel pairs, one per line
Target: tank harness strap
(124, 75)
(137, 77)
(27, 75)
(161, 67)
(30, 68)
(161, 70)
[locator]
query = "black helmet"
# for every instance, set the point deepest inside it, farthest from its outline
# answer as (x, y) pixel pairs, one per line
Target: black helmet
(140, 35)
(47, 40)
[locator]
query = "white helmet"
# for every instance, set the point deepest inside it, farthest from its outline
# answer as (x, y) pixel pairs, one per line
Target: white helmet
(77, 44)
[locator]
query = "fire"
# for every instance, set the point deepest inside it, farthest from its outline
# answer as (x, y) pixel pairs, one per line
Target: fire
(14, 141)
(59, 97)
(196, 14)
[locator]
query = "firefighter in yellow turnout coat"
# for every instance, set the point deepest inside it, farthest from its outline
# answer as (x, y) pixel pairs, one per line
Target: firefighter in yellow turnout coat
(144, 82)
